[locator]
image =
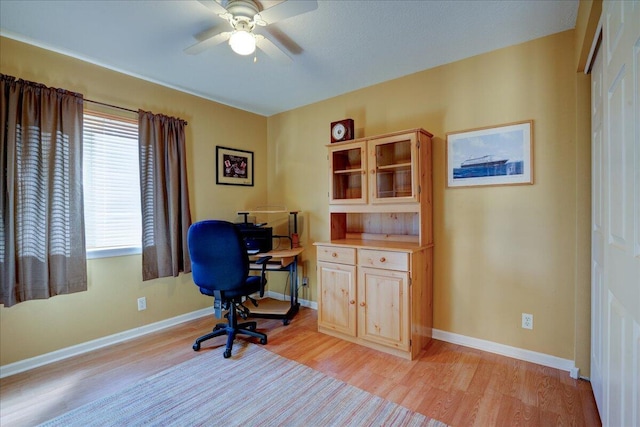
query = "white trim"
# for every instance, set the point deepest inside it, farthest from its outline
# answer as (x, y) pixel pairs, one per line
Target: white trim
(303, 302)
(64, 353)
(594, 46)
(484, 345)
(75, 350)
(113, 252)
(574, 373)
(505, 350)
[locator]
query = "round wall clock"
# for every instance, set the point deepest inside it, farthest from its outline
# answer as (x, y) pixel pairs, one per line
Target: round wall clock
(342, 130)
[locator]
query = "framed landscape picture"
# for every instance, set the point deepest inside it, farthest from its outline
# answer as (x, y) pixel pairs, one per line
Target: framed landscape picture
(234, 167)
(498, 155)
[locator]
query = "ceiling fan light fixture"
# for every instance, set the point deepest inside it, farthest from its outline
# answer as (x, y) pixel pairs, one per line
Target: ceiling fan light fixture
(242, 42)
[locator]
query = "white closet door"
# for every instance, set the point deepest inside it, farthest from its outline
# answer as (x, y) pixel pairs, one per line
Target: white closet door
(616, 220)
(597, 232)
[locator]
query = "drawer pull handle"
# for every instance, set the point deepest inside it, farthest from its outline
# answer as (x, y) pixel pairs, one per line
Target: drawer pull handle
(383, 259)
(352, 301)
(334, 254)
(362, 304)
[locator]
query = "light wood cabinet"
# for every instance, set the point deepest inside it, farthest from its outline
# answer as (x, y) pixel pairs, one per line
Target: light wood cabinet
(376, 294)
(383, 311)
(376, 170)
(337, 298)
(375, 274)
(348, 174)
(393, 171)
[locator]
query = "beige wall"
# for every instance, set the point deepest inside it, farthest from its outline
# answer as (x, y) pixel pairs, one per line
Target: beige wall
(109, 306)
(499, 251)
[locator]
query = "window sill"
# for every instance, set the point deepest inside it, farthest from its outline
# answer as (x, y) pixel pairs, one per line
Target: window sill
(112, 252)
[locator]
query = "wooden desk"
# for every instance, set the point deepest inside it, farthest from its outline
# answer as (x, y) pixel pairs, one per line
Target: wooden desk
(281, 260)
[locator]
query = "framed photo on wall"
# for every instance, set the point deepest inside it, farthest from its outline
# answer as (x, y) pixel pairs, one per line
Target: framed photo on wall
(497, 155)
(234, 167)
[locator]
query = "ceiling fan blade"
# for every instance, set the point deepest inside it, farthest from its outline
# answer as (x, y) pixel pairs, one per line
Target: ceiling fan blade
(287, 9)
(209, 33)
(281, 39)
(214, 6)
(273, 51)
(206, 43)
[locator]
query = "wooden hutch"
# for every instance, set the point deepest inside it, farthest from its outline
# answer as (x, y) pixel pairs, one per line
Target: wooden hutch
(375, 275)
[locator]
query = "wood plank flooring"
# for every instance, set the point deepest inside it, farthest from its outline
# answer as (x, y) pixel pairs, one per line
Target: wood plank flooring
(454, 384)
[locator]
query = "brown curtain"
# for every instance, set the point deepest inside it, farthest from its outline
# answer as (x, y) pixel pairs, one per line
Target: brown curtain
(165, 198)
(42, 247)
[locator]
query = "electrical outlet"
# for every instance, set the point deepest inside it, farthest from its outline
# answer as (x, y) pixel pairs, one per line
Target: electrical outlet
(527, 321)
(142, 303)
(305, 281)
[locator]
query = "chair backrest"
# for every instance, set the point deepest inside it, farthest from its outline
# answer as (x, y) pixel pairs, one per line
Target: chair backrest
(219, 259)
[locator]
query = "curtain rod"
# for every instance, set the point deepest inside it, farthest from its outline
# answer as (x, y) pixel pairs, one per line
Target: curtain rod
(110, 105)
(119, 108)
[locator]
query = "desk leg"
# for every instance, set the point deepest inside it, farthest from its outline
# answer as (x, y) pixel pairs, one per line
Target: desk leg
(293, 287)
(294, 283)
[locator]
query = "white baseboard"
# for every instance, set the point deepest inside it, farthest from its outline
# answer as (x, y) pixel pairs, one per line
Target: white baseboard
(54, 356)
(64, 353)
(505, 350)
(283, 297)
(484, 345)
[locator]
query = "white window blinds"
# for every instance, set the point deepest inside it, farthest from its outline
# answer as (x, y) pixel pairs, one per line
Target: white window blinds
(111, 185)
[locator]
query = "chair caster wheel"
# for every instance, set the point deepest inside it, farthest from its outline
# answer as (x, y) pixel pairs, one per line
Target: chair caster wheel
(285, 322)
(252, 328)
(263, 341)
(196, 347)
(227, 354)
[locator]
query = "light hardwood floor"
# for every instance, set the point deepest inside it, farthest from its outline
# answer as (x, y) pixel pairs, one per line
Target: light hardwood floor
(454, 384)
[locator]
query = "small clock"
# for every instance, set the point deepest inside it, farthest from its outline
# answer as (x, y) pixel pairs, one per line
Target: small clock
(342, 130)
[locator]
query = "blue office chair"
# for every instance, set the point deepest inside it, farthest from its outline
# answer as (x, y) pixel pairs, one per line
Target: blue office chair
(220, 268)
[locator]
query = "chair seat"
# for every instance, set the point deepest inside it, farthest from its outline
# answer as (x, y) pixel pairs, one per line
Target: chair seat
(252, 285)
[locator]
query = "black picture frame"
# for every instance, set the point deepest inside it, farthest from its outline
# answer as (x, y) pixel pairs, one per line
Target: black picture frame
(234, 167)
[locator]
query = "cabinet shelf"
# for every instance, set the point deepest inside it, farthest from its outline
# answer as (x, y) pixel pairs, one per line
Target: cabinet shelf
(348, 171)
(395, 166)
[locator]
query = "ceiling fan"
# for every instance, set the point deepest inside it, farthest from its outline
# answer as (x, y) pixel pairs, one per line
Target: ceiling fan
(244, 16)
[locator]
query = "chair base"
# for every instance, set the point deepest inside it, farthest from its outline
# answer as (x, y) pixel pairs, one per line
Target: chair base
(231, 329)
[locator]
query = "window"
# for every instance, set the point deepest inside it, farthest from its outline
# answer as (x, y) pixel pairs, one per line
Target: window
(112, 211)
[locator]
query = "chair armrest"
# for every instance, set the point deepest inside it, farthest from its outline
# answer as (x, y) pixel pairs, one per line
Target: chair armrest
(262, 260)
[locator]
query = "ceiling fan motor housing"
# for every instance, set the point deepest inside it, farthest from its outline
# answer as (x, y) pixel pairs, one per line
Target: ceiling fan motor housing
(243, 10)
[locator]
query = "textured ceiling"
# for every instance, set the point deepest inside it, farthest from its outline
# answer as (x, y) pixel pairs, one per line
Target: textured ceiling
(339, 47)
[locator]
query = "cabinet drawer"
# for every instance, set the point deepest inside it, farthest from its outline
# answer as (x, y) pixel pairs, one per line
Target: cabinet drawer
(384, 259)
(337, 254)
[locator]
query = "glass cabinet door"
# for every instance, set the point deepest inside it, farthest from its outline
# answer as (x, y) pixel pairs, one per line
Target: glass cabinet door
(348, 174)
(394, 174)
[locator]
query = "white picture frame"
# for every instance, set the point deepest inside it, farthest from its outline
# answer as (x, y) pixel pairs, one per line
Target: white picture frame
(496, 155)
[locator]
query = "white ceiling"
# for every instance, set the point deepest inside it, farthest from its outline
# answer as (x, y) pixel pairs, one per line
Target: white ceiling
(341, 46)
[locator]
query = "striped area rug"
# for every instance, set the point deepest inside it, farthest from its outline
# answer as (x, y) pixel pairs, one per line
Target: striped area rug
(252, 388)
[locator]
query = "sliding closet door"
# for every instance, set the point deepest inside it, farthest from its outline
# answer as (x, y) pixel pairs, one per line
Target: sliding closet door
(616, 219)
(597, 232)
